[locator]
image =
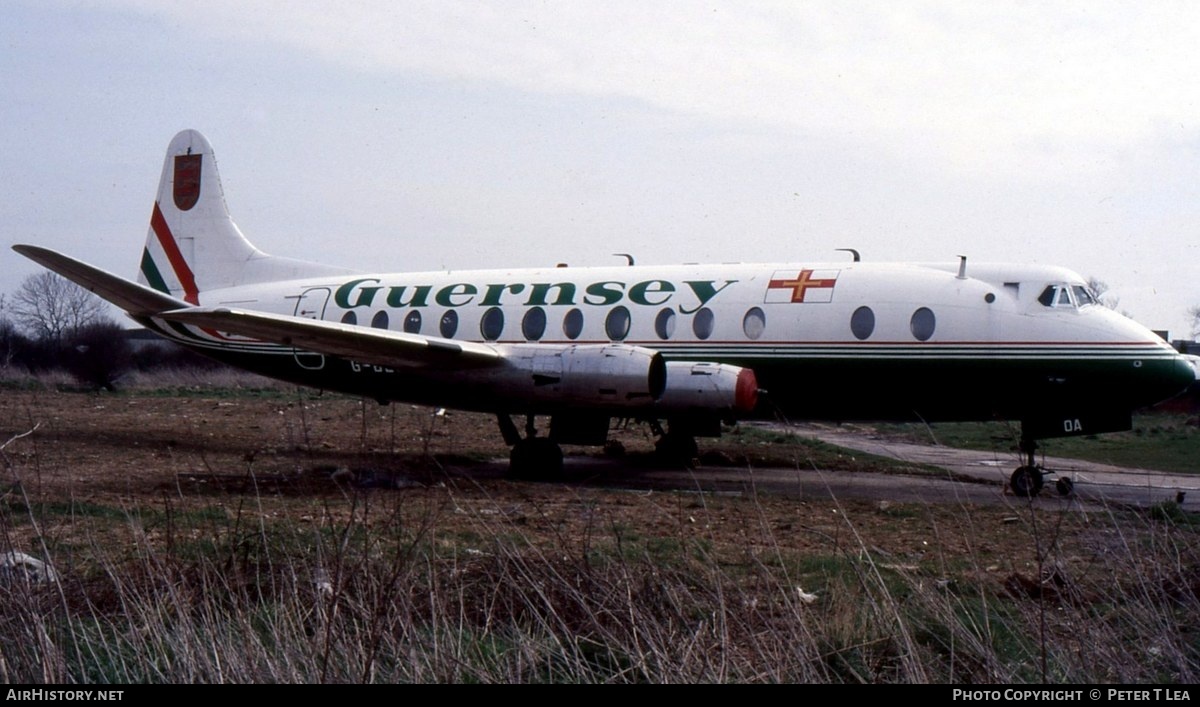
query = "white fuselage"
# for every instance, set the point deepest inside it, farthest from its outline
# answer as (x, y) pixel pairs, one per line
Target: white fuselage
(842, 340)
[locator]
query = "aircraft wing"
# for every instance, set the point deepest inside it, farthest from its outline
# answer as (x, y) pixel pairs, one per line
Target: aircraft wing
(130, 296)
(374, 346)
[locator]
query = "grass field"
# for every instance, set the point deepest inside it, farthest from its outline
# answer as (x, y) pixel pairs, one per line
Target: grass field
(227, 535)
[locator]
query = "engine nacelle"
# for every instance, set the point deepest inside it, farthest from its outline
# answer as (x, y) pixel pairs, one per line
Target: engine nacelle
(616, 376)
(708, 387)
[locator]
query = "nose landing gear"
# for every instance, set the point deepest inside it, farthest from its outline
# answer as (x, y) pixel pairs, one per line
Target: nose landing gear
(1027, 481)
(1029, 478)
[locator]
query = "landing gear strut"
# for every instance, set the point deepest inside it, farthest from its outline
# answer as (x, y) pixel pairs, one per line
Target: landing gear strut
(1029, 478)
(533, 458)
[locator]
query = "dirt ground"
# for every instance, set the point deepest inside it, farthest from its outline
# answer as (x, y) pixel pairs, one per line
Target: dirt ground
(317, 458)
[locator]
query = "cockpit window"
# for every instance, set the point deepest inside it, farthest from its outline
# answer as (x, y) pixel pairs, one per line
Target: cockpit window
(1072, 296)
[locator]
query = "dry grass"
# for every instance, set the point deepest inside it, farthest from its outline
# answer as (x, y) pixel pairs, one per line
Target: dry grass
(469, 578)
(428, 587)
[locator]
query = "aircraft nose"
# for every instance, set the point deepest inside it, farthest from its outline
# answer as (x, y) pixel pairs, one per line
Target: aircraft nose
(1182, 374)
(1192, 365)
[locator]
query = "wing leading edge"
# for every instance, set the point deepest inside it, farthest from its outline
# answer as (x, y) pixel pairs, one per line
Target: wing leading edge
(137, 300)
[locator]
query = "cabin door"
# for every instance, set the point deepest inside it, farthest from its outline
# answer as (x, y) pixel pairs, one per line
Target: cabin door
(311, 305)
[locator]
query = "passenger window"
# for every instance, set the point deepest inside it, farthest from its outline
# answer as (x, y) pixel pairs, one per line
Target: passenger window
(922, 324)
(573, 324)
(533, 324)
(492, 324)
(702, 323)
(862, 323)
(380, 320)
(616, 324)
(754, 323)
(412, 322)
(349, 318)
(664, 324)
(448, 326)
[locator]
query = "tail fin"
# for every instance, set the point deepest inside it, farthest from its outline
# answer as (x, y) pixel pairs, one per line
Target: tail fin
(193, 244)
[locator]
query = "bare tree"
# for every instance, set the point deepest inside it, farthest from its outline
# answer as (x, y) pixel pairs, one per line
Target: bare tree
(50, 306)
(1194, 313)
(1099, 288)
(8, 335)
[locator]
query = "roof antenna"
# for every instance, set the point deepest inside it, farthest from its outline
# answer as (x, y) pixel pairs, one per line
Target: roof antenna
(627, 256)
(852, 252)
(962, 267)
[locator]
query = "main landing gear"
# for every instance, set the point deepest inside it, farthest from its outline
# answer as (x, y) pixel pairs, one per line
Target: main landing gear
(1029, 478)
(676, 448)
(533, 458)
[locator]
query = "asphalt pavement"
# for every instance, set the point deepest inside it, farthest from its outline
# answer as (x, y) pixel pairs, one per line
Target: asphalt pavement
(1093, 482)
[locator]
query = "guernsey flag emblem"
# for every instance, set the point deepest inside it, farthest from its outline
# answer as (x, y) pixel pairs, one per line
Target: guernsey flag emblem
(804, 286)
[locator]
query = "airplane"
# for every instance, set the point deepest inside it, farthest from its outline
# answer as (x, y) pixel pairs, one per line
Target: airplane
(694, 345)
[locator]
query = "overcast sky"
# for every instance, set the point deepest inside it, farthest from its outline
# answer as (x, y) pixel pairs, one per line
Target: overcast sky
(429, 135)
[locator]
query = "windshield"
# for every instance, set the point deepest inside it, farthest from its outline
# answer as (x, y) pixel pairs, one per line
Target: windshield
(1064, 295)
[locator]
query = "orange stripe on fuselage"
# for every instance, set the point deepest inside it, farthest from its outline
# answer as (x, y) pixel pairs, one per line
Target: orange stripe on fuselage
(191, 294)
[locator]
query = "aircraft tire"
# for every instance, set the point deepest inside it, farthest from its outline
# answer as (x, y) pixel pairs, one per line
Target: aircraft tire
(1026, 481)
(1064, 486)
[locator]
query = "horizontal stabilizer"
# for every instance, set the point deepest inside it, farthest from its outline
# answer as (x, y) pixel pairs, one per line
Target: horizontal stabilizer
(135, 299)
(367, 345)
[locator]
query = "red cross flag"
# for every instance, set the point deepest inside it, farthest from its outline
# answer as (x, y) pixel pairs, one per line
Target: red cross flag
(803, 286)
